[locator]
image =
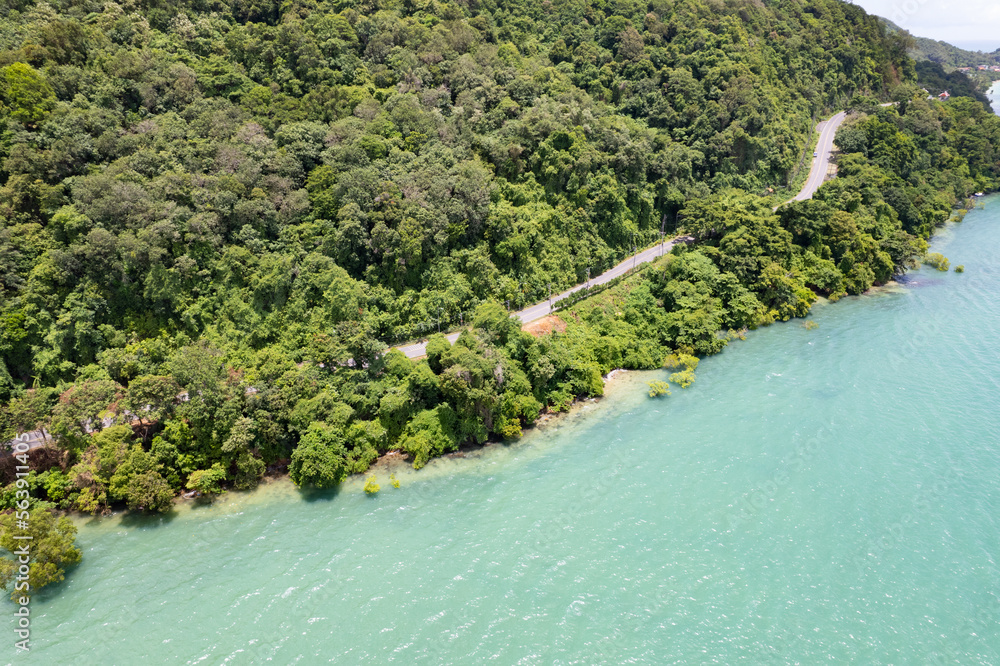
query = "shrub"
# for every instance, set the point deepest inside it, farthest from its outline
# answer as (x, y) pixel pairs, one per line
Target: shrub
(320, 459)
(689, 362)
(684, 378)
(431, 433)
(52, 550)
(937, 260)
(207, 481)
(658, 388)
(680, 359)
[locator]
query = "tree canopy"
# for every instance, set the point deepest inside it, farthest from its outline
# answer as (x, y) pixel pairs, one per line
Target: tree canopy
(216, 220)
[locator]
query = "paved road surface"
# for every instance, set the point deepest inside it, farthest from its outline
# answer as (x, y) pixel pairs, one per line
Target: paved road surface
(543, 309)
(817, 174)
(821, 163)
(35, 438)
(824, 151)
(34, 441)
(539, 310)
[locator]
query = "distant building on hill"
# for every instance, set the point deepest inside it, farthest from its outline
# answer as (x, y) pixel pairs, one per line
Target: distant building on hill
(944, 95)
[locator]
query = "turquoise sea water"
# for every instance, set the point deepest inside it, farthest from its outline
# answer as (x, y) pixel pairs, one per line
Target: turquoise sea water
(826, 495)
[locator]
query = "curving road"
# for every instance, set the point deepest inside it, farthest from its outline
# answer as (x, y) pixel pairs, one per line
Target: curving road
(821, 163)
(817, 174)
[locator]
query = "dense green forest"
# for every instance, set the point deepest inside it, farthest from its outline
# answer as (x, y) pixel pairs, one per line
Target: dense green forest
(217, 215)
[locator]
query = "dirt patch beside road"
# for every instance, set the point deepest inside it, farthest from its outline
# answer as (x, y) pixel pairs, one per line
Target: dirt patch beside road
(544, 325)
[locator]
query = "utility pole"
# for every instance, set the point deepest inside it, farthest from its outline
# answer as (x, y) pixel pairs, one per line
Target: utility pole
(588, 277)
(461, 319)
(663, 225)
(550, 295)
(439, 320)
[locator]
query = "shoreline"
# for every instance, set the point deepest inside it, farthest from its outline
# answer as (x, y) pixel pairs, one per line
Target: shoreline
(391, 462)
(628, 470)
(396, 460)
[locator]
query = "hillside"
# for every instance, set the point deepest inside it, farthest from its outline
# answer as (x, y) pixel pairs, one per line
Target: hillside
(937, 63)
(949, 56)
(216, 216)
(933, 77)
(413, 156)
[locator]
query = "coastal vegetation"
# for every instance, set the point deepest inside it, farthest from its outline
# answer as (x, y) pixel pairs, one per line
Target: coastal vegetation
(50, 553)
(658, 387)
(938, 261)
(216, 218)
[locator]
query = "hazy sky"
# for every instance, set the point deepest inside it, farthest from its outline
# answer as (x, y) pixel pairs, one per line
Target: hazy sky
(971, 24)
